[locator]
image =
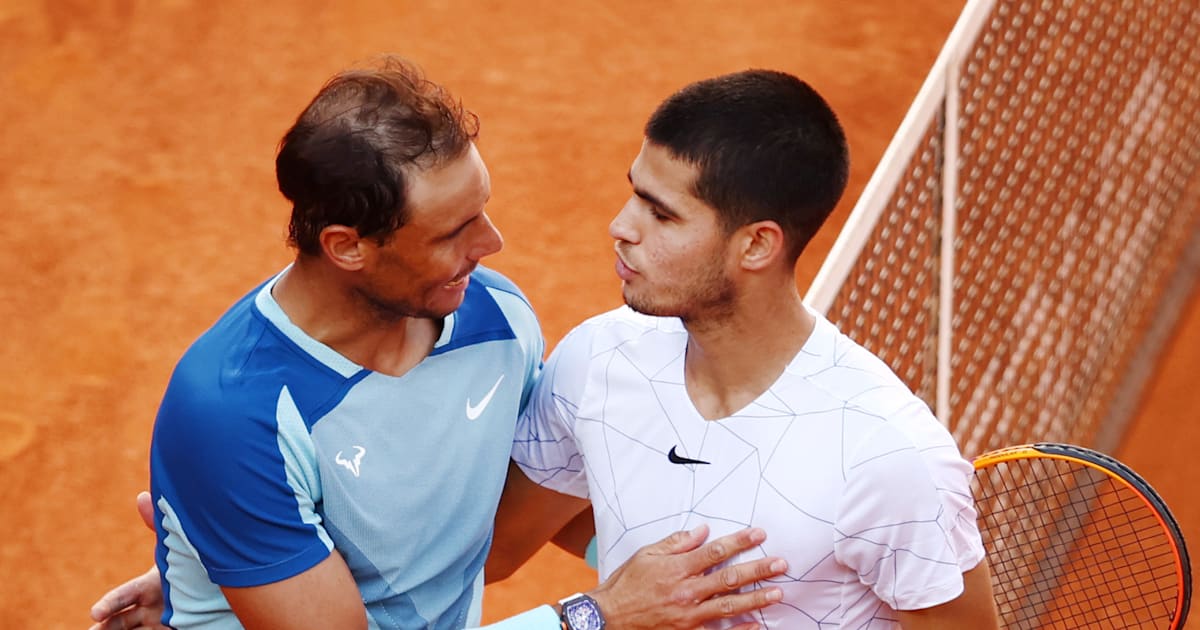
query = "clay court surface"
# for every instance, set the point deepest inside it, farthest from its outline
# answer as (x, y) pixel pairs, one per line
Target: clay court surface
(138, 201)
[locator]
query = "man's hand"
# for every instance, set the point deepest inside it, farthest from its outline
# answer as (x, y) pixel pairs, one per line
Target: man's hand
(137, 603)
(664, 585)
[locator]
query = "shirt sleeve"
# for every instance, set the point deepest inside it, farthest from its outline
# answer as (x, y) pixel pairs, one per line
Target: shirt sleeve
(544, 446)
(525, 326)
(540, 618)
(241, 490)
(906, 522)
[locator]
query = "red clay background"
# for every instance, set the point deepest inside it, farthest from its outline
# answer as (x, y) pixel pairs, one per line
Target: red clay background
(138, 201)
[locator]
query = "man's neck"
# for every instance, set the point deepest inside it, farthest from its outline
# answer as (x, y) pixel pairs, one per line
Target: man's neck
(327, 310)
(731, 362)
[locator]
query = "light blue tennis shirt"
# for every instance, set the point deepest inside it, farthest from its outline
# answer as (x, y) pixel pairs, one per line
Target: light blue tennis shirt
(270, 450)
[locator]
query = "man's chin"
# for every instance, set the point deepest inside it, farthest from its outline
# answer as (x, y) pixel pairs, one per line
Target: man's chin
(441, 312)
(436, 310)
(646, 308)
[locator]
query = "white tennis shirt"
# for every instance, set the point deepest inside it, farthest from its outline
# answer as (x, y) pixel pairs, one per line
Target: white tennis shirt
(856, 483)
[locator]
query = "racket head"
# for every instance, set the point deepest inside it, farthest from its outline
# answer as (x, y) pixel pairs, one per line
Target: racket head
(1076, 539)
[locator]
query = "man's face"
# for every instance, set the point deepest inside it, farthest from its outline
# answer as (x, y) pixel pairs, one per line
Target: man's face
(671, 249)
(423, 269)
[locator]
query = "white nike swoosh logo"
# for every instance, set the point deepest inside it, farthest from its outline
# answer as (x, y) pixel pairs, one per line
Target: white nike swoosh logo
(474, 411)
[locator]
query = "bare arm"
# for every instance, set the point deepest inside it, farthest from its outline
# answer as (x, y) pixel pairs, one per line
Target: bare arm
(529, 516)
(575, 536)
(324, 596)
(975, 608)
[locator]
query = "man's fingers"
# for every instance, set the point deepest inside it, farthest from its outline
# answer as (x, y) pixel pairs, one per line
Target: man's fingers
(679, 542)
(138, 591)
(746, 573)
(734, 604)
(145, 508)
(717, 551)
(736, 576)
(117, 599)
(132, 619)
(116, 622)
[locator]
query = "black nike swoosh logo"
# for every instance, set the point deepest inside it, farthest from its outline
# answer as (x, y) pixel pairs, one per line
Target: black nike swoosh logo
(676, 459)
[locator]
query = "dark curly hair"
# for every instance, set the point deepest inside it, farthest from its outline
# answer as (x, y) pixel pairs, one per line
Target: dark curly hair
(347, 158)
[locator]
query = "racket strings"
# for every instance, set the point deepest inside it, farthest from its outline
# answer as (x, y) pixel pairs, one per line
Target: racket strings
(1070, 547)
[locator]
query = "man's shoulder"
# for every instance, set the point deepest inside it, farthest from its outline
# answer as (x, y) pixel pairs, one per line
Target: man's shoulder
(241, 364)
(850, 374)
(492, 287)
(494, 309)
(497, 282)
(237, 331)
(829, 351)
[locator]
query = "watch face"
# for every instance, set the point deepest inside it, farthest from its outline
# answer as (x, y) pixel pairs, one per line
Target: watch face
(582, 614)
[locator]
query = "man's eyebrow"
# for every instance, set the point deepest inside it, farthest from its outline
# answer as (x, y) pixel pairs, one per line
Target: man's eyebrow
(655, 201)
(454, 231)
(457, 229)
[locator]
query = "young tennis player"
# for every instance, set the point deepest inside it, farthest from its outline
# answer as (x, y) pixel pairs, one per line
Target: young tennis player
(716, 397)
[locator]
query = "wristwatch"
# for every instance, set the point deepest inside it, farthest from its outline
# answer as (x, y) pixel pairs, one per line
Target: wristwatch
(580, 612)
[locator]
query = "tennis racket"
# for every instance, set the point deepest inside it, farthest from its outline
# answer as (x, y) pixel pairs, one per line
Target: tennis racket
(1075, 539)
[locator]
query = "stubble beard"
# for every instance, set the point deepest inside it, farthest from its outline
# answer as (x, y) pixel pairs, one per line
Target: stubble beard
(710, 298)
(392, 311)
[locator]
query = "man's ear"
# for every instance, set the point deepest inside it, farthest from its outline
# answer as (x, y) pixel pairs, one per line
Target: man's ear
(761, 244)
(344, 247)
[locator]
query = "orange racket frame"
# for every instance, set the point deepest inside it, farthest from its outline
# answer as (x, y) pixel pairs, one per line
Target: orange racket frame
(1115, 472)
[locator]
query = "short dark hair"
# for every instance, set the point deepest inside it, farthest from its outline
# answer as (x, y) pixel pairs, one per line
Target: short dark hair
(767, 146)
(346, 159)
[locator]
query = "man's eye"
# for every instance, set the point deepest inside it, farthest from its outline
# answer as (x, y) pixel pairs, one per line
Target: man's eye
(658, 216)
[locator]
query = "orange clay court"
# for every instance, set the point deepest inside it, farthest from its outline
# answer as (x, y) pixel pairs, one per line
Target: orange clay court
(138, 198)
